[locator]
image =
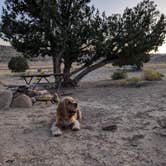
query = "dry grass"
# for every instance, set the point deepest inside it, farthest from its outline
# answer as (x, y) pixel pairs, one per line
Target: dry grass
(152, 75)
(47, 67)
(130, 81)
(154, 66)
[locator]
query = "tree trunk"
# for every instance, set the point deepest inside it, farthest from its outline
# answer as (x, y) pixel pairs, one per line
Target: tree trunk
(66, 71)
(90, 69)
(56, 58)
(66, 74)
(56, 65)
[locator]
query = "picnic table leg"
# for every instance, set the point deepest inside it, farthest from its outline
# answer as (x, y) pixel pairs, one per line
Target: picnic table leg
(46, 79)
(28, 82)
(40, 78)
(37, 83)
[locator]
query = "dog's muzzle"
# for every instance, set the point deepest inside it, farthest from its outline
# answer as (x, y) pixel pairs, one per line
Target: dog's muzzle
(72, 111)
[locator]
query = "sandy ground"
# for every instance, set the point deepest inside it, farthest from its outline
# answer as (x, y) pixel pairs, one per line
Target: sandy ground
(25, 138)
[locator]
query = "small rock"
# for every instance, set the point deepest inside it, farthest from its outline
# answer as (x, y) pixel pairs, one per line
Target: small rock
(27, 131)
(137, 137)
(112, 128)
(10, 161)
(5, 98)
(22, 101)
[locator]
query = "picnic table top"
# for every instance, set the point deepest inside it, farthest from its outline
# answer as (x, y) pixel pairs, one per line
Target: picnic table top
(40, 75)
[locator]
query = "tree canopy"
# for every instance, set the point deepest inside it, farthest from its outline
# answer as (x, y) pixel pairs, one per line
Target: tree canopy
(73, 31)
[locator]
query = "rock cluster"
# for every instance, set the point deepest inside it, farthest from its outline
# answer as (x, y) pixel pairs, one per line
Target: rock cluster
(24, 97)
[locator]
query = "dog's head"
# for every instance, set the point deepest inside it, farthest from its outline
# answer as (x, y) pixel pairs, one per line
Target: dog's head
(70, 105)
(68, 108)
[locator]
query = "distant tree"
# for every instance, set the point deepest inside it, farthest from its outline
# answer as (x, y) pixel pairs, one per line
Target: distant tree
(70, 31)
(18, 64)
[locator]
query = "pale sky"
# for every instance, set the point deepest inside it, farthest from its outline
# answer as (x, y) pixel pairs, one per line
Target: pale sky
(116, 6)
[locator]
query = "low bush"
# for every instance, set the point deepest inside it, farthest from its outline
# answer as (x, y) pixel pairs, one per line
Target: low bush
(134, 80)
(152, 75)
(119, 75)
(124, 83)
(130, 81)
(18, 64)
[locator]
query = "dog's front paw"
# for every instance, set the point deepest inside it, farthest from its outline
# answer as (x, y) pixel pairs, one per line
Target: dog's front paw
(76, 126)
(56, 131)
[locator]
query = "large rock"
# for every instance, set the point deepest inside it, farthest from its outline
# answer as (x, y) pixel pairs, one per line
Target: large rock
(22, 101)
(5, 98)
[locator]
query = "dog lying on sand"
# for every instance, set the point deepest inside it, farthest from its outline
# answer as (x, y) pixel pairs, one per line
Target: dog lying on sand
(68, 115)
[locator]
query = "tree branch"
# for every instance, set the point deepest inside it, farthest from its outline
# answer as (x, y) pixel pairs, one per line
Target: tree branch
(90, 69)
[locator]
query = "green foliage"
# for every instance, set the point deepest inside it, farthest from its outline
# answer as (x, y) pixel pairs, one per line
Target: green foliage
(50, 27)
(18, 64)
(119, 75)
(151, 75)
(135, 33)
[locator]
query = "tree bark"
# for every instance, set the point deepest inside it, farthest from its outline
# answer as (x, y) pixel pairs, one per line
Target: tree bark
(57, 60)
(56, 64)
(90, 69)
(66, 71)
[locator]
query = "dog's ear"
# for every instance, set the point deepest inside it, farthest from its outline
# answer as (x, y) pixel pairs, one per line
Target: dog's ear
(60, 113)
(61, 107)
(79, 115)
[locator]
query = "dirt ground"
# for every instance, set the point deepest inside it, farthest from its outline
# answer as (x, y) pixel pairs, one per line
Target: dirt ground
(25, 138)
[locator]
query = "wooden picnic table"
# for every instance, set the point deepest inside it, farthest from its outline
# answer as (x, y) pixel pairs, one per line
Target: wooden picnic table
(29, 77)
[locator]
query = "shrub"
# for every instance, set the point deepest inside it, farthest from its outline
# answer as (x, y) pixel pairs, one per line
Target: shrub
(151, 75)
(18, 64)
(119, 75)
(124, 83)
(134, 80)
(130, 81)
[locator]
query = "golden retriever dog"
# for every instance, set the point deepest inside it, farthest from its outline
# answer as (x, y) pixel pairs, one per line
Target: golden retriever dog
(68, 115)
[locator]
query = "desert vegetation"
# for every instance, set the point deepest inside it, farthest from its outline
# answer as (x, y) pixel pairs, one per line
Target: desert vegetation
(18, 64)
